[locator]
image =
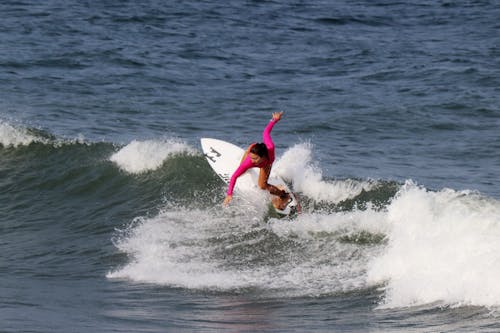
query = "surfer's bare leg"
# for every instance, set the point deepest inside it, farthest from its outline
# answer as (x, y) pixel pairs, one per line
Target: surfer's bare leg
(263, 184)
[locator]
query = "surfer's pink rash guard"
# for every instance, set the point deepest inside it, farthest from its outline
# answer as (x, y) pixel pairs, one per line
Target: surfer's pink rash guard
(247, 162)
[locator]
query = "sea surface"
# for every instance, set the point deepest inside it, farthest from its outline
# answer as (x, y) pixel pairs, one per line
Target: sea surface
(111, 220)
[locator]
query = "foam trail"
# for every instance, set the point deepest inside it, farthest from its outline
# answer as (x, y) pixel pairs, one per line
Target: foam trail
(142, 156)
(307, 224)
(443, 247)
(297, 165)
(208, 249)
(11, 136)
(172, 249)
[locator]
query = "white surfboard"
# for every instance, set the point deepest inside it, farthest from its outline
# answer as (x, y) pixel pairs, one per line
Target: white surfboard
(224, 158)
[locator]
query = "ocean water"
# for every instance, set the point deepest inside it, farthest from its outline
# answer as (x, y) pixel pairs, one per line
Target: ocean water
(111, 219)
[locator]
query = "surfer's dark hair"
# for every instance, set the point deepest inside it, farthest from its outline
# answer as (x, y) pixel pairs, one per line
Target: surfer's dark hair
(260, 149)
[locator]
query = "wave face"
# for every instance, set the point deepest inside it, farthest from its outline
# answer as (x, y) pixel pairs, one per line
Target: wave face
(416, 246)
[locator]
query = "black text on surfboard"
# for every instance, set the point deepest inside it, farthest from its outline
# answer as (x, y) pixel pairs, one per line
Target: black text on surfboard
(213, 155)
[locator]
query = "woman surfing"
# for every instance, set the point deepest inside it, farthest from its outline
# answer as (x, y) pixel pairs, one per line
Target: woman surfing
(261, 155)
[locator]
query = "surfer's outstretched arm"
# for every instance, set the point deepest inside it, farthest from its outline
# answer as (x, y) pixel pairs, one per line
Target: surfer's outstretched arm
(244, 166)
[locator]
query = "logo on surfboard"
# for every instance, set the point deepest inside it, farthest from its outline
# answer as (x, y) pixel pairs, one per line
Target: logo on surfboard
(213, 154)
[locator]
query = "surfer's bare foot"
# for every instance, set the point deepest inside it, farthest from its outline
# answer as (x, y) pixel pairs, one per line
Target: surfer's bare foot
(282, 201)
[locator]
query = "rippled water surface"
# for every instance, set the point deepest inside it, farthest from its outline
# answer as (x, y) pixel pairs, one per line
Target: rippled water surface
(111, 219)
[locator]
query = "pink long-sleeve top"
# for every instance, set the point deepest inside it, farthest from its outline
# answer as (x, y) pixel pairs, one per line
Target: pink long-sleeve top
(247, 162)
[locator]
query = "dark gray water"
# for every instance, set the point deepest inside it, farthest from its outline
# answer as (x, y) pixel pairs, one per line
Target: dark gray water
(111, 220)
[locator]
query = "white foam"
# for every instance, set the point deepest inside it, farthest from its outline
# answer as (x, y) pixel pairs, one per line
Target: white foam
(11, 136)
(182, 248)
(307, 225)
(142, 156)
(297, 165)
(173, 249)
(443, 247)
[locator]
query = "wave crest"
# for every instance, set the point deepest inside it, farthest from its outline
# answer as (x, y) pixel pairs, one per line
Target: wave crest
(143, 156)
(298, 166)
(442, 247)
(11, 136)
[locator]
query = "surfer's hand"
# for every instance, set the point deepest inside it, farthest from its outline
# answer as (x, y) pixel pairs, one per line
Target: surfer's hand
(277, 116)
(228, 200)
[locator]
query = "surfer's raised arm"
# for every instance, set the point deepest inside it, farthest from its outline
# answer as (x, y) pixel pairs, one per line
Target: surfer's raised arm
(277, 116)
(260, 155)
